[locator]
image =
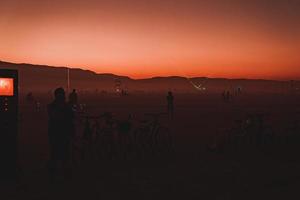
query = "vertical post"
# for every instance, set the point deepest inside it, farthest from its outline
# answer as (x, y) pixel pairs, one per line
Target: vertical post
(68, 80)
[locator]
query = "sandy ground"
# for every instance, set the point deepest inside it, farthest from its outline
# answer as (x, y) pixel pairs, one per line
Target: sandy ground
(191, 172)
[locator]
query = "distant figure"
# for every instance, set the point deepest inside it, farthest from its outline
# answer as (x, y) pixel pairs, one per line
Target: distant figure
(170, 100)
(60, 129)
(124, 93)
(226, 95)
(29, 97)
(239, 90)
(73, 98)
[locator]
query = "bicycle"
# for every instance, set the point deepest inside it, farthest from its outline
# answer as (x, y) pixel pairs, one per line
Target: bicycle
(151, 137)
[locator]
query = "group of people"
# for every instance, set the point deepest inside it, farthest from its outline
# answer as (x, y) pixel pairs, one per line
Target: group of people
(227, 95)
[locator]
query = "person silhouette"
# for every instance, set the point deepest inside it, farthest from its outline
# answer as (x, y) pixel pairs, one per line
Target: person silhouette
(170, 107)
(224, 95)
(60, 129)
(73, 99)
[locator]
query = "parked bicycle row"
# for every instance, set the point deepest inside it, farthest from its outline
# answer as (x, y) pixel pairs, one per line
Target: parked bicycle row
(106, 137)
(252, 131)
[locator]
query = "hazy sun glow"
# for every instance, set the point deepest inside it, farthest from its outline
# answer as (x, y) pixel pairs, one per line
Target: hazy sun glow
(216, 38)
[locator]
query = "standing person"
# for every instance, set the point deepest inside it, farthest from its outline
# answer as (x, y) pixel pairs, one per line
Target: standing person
(170, 108)
(224, 95)
(73, 99)
(60, 128)
(228, 95)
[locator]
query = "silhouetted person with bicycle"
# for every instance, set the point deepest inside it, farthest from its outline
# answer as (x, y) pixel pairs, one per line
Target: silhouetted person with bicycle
(170, 108)
(60, 132)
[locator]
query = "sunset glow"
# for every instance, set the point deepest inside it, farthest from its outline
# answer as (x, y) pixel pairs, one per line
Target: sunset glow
(145, 38)
(6, 87)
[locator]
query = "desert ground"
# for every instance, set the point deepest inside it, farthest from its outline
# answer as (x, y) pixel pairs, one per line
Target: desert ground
(201, 165)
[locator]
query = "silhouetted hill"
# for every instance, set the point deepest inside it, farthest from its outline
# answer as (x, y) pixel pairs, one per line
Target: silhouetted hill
(42, 77)
(45, 78)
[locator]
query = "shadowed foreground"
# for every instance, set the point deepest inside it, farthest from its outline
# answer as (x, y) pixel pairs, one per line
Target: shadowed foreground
(194, 170)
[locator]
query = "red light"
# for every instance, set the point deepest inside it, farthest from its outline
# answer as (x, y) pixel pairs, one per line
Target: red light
(6, 87)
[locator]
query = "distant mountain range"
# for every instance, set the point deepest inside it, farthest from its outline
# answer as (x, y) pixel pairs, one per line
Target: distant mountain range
(44, 78)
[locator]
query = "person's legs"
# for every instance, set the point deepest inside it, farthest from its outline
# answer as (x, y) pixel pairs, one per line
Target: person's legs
(172, 110)
(52, 164)
(67, 161)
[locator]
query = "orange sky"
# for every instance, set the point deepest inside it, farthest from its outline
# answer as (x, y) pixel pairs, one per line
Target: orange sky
(216, 38)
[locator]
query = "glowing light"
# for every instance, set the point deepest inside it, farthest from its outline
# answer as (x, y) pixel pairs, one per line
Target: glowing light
(199, 87)
(6, 87)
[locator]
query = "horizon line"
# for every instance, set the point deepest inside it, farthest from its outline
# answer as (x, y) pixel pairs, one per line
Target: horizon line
(150, 77)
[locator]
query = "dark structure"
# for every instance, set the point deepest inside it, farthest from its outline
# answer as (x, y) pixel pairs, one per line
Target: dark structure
(8, 123)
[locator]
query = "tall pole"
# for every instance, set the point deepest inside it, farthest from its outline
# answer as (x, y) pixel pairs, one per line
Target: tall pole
(68, 77)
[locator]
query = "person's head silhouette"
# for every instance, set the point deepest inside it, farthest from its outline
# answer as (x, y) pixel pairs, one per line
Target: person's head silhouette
(59, 95)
